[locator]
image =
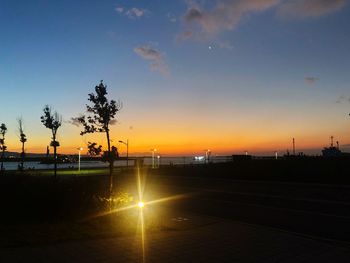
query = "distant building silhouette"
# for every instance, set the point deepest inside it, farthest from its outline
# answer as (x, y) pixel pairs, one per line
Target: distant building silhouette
(332, 151)
(241, 157)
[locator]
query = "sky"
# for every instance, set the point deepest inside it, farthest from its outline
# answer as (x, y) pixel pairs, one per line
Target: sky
(230, 75)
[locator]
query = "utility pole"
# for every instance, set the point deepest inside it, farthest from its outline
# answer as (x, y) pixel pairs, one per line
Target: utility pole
(293, 146)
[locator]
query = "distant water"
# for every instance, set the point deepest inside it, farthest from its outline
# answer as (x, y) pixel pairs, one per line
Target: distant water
(89, 164)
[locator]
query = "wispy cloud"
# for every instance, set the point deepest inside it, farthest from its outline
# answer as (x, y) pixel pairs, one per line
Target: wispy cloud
(309, 8)
(119, 9)
(342, 99)
(75, 121)
(133, 12)
(136, 12)
(172, 18)
(310, 80)
(155, 57)
(225, 45)
(207, 22)
(187, 34)
(225, 15)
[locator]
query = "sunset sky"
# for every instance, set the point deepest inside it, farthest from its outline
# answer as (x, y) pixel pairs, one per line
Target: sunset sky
(229, 76)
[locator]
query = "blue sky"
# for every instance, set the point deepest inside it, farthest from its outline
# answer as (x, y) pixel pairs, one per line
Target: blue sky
(200, 72)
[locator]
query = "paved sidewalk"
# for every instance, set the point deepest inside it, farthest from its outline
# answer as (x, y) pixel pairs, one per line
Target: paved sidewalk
(190, 239)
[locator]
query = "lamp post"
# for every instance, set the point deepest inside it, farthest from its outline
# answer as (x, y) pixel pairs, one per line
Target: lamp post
(153, 163)
(158, 163)
(207, 155)
(79, 149)
(127, 151)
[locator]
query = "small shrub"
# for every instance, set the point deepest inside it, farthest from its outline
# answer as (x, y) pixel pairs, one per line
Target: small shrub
(117, 200)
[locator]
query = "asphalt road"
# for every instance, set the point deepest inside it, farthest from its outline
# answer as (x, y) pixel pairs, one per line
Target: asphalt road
(320, 211)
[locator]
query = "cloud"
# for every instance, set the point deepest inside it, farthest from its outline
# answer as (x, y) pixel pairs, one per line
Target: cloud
(184, 35)
(342, 99)
(136, 12)
(310, 80)
(120, 9)
(75, 121)
(309, 8)
(225, 15)
(132, 12)
(171, 18)
(207, 23)
(225, 45)
(155, 57)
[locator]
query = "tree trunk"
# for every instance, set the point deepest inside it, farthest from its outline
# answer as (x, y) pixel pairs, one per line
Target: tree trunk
(22, 157)
(54, 156)
(2, 159)
(110, 160)
(2, 153)
(55, 161)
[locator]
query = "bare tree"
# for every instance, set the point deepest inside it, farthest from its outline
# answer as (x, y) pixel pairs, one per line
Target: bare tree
(52, 121)
(3, 147)
(22, 139)
(99, 116)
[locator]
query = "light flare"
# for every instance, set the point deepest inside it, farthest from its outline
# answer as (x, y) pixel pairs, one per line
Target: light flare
(143, 236)
(141, 204)
(160, 200)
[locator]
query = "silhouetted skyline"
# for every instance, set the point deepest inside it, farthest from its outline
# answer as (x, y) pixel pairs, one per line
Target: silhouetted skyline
(243, 75)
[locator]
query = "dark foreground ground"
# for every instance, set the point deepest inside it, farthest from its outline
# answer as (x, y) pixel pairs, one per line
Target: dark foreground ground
(293, 211)
(192, 238)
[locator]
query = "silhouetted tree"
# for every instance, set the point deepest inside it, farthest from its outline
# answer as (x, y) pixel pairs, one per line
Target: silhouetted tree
(3, 147)
(22, 139)
(114, 154)
(100, 115)
(52, 121)
(93, 149)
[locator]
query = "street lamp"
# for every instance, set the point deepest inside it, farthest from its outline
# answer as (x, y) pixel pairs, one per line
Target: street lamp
(207, 155)
(158, 163)
(153, 163)
(79, 149)
(127, 151)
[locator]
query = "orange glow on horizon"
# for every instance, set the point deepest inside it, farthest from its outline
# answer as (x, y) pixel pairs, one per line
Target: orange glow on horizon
(193, 147)
(171, 139)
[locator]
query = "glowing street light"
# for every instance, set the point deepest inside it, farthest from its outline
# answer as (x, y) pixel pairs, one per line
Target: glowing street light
(140, 204)
(158, 159)
(127, 151)
(153, 162)
(79, 150)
